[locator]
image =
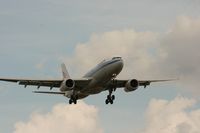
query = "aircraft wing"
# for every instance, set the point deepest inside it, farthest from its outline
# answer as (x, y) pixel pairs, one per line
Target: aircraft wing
(122, 83)
(79, 83)
(26, 82)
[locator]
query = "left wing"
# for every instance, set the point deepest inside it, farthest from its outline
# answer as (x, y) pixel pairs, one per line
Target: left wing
(122, 83)
(148, 82)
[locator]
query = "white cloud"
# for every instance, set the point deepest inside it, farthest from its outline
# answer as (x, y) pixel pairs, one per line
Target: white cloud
(134, 47)
(175, 116)
(63, 118)
(147, 54)
(180, 47)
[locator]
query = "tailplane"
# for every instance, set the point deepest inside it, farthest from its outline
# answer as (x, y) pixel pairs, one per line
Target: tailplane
(64, 71)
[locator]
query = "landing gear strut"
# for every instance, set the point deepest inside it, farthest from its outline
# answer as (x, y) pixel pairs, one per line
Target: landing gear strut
(110, 97)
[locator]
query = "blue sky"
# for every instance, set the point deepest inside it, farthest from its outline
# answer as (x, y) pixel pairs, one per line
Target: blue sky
(36, 36)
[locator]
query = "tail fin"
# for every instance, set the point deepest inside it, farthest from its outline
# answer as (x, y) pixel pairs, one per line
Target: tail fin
(64, 71)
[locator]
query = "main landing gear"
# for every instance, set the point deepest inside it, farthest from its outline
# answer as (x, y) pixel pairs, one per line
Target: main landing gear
(110, 97)
(73, 99)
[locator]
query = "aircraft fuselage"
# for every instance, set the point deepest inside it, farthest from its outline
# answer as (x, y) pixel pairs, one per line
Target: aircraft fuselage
(101, 75)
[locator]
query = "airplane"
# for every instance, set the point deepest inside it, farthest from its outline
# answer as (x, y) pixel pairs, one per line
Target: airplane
(100, 78)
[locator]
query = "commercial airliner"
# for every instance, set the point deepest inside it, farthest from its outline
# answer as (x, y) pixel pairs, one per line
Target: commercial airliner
(100, 78)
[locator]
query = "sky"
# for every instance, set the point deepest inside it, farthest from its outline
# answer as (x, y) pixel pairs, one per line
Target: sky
(157, 39)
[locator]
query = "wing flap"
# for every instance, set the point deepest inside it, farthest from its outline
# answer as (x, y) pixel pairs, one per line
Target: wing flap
(49, 92)
(52, 83)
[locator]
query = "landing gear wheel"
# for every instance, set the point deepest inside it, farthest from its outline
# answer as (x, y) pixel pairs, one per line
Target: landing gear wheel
(113, 97)
(108, 97)
(75, 101)
(107, 101)
(111, 101)
(70, 101)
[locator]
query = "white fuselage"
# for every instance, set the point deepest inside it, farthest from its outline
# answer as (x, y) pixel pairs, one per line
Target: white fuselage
(101, 75)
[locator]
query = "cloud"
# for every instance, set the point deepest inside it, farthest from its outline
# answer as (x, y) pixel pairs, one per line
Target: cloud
(175, 116)
(63, 118)
(134, 47)
(167, 116)
(174, 53)
(179, 52)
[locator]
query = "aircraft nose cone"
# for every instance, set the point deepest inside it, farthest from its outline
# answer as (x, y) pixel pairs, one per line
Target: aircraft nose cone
(119, 65)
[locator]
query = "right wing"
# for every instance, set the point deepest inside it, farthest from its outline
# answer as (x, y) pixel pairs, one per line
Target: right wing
(79, 83)
(33, 82)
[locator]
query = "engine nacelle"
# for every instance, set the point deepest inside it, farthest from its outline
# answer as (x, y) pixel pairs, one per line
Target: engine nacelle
(131, 85)
(67, 85)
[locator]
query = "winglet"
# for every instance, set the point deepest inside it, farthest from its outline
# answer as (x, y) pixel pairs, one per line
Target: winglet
(64, 71)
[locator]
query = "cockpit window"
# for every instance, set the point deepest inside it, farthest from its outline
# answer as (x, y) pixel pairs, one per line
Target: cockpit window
(116, 58)
(105, 60)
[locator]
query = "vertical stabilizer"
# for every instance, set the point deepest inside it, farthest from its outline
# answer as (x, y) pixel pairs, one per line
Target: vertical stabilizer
(64, 71)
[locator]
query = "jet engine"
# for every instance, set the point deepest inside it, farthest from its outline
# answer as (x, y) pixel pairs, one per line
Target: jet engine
(67, 85)
(131, 85)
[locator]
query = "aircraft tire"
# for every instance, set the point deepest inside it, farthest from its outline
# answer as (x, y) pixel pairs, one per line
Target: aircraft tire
(108, 96)
(107, 101)
(113, 97)
(70, 101)
(111, 101)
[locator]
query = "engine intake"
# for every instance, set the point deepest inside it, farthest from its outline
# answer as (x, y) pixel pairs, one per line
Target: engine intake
(68, 84)
(131, 85)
